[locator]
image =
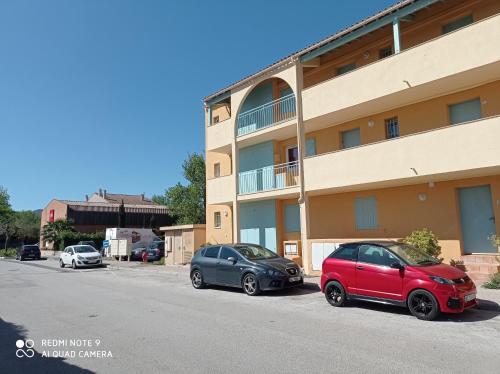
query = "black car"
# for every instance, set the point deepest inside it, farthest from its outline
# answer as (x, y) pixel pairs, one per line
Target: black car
(28, 251)
(248, 266)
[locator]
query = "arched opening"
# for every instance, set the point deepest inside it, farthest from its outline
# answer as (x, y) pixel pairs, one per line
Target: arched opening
(269, 103)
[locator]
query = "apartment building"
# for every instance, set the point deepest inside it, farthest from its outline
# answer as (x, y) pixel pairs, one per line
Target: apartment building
(385, 127)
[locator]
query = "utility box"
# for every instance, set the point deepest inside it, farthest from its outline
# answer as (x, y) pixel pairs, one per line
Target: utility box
(120, 247)
(181, 242)
(292, 250)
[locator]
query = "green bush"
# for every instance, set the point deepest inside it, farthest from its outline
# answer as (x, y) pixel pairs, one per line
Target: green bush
(493, 282)
(425, 240)
(9, 252)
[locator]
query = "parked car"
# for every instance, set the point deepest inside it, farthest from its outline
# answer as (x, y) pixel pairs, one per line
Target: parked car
(398, 274)
(248, 266)
(136, 251)
(28, 251)
(156, 251)
(80, 256)
(88, 242)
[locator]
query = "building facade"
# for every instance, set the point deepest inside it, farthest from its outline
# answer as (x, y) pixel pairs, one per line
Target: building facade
(389, 126)
(101, 210)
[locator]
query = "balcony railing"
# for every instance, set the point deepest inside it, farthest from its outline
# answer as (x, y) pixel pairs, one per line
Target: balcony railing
(269, 178)
(267, 115)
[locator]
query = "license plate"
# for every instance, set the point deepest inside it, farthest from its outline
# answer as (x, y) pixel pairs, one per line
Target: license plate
(294, 279)
(470, 297)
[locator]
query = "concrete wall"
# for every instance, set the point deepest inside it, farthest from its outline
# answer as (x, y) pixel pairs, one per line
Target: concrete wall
(400, 211)
(224, 234)
(60, 212)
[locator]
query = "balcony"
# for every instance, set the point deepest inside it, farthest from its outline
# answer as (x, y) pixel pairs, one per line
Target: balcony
(459, 151)
(267, 115)
(274, 177)
(434, 68)
(219, 136)
(220, 190)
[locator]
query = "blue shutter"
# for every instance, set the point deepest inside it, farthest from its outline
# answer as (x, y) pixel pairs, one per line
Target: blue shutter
(465, 111)
(351, 138)
(310, 147)
(292, 218)
(366, 213)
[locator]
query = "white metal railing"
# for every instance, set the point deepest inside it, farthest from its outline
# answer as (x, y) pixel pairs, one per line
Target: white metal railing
(268, 178)
(267, 115)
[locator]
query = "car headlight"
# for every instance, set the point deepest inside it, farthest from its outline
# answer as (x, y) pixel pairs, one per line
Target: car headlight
(80, 258)
(441, 280)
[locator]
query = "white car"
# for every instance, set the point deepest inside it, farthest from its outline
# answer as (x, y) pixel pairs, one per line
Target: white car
(79, 256)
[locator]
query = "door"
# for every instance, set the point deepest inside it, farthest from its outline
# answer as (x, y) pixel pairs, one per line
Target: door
(228, 272)
(477, 218)
(375, 277)
(177, 250)
(208, 264)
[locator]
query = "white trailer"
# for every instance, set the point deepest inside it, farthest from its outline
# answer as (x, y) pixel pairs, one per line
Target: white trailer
(121, 241)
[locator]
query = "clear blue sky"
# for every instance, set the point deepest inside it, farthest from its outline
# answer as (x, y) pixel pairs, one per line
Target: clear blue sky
(108, 93)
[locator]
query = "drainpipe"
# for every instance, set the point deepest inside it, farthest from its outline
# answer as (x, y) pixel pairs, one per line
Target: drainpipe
(301, 145)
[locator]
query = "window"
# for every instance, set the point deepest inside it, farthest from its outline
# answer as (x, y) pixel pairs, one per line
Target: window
(392, 128)
(376, 255)
(465, 111)
(217, 170)
(216, 119)
(385, 52)
(292, 218)
(457, 24)
(217, 220)
(226, 252)
(350, 138)
(346, 252)
(366, 213)
(292, 154)
(346, 68)
(212, 252)
(310, 147)
(291, 249)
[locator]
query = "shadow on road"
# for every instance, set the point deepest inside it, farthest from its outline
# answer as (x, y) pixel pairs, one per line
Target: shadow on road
(485, 311)
(305, 289)
(9, 334)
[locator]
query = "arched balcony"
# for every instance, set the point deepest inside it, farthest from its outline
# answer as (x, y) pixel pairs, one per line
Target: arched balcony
(269, 103)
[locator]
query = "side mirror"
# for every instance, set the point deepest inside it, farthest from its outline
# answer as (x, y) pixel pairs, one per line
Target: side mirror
(397, 265)
(232, 259)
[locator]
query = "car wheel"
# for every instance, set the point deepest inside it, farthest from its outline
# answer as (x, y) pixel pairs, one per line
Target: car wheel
(197, 279)
(21, 258)
(335, 293)
(423, 305)
(61, 263)
(73, 265)
(251, 285)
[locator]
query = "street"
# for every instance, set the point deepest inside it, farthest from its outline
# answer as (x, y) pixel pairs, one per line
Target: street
(148, 319)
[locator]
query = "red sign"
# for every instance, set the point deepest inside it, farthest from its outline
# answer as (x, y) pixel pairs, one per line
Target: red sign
(51, 215)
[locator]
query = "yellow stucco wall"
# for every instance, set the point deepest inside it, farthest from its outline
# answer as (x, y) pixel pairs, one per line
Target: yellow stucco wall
(399, 212)
(224, 234)
(415, 118)
(222, 110)
(213, 158)
(425, 26)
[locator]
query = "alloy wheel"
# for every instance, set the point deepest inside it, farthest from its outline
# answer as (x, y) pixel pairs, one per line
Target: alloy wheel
(423, 305)
(335, 293)
(196, 279)
(251, 285)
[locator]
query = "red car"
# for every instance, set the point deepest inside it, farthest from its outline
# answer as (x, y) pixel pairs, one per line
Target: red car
(396, 273)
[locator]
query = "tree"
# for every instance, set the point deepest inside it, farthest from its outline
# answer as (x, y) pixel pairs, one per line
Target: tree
(28, 225)
(54, 231)
(7, 222)
(187, 203)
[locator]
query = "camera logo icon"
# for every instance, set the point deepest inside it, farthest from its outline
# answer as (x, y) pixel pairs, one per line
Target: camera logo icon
(25, 348)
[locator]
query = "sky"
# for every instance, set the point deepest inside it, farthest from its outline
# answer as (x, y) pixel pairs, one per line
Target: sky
(109, 93)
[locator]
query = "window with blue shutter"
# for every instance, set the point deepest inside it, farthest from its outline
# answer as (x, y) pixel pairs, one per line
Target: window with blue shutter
(292, 218)
(465, 111)
(310, 147)
(366, 213)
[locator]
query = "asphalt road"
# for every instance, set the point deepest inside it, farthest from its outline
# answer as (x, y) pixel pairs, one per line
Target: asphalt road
(151, 320)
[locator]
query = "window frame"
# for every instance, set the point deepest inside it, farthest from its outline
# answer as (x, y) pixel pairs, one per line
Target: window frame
(344, 246)
(387, 123)
(454, 104)
(381, 52)
(235, 254)
(218, 213)
(356, 223)
(217, 173)
(384, 250)
(213, 246)
(288, 155)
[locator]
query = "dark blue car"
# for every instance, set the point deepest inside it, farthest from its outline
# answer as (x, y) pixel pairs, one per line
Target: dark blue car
(248, 266)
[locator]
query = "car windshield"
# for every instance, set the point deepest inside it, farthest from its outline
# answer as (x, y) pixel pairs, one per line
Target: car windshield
(84, 249)
(413, 256)
(254, 252)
